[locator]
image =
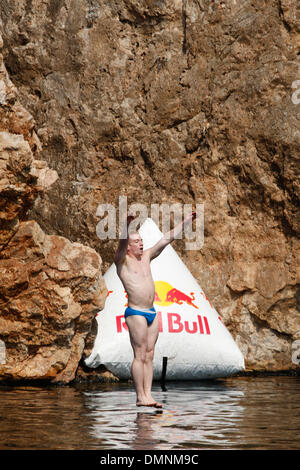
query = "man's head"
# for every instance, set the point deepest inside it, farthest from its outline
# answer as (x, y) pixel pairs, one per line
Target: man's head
(135, 244)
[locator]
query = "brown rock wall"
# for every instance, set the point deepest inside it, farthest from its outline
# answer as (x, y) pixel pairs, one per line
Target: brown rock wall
(175, 101)
(50, 288)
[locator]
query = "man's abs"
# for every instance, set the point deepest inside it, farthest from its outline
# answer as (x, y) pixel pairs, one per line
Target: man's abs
(140, 293)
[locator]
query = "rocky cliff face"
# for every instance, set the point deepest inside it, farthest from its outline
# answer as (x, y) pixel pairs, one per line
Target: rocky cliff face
(50, 288)
(175, 101)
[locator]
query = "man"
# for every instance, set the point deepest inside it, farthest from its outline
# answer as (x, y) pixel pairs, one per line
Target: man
(133, 268)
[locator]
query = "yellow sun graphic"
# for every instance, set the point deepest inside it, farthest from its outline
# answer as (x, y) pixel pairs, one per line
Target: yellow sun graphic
(161, 290)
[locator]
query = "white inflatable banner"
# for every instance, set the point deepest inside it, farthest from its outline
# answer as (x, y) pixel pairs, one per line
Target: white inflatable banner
(192, 335)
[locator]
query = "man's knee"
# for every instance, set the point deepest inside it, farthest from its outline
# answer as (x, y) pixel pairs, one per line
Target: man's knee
(149, 355)
(140, 354)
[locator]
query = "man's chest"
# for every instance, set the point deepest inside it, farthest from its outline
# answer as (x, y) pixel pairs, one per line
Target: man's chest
(138, 268)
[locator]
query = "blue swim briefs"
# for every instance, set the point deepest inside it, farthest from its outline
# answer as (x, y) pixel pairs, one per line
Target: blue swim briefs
(148, 313)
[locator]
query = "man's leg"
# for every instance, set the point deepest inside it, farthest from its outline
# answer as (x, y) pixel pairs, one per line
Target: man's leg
(138, 332)
(152, 336)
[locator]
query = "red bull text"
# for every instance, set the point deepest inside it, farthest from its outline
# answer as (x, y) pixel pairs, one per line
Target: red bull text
(174, 324)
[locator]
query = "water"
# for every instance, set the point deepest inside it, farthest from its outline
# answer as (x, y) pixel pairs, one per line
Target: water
(235, 413)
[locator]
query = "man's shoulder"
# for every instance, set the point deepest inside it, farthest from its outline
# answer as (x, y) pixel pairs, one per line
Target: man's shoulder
(147, 256)
(119, 260)
(146, 252)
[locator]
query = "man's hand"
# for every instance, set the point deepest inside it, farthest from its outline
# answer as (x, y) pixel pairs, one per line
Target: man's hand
(191, 216)
(130, 218)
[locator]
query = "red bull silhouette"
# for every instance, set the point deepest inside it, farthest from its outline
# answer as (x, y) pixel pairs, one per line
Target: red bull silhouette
(178, 297)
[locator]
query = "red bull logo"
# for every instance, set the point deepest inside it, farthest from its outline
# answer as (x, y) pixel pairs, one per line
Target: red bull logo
(166, 294)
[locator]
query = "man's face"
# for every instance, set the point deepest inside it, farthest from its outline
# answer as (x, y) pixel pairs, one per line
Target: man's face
(135, 244)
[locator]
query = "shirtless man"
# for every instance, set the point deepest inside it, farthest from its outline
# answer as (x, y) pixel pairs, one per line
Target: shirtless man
(133, 268)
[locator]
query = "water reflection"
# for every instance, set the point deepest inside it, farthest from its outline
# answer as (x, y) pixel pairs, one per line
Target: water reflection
(195, 415)
(236, 413)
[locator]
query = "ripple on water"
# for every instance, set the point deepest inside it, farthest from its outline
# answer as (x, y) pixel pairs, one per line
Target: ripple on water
(235, 413)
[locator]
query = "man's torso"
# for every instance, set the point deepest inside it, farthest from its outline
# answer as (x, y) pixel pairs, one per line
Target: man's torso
(137, 279)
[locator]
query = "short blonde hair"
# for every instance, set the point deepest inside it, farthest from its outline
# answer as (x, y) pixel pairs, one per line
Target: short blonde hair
(133, 233)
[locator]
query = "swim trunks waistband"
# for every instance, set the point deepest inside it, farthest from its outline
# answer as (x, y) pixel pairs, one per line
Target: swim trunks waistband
(144, 310)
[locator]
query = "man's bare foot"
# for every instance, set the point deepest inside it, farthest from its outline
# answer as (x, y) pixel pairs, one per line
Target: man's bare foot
(158, 405)
(144, 404)
(154, 404)
(148, 402)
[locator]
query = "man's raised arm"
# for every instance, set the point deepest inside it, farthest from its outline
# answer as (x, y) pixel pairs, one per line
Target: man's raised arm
(168, 237)
(123, 243)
